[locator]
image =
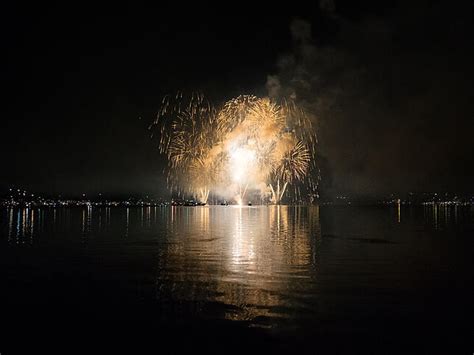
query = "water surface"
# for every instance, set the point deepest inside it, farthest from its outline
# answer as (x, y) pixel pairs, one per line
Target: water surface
(281, 276)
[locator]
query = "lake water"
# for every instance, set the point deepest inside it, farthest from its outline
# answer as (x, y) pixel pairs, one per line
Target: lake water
(280, 277)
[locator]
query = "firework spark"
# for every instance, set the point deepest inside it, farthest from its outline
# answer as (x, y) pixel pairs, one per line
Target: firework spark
(249, 144)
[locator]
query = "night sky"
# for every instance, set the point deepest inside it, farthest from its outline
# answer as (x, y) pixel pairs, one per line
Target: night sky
(390, 87)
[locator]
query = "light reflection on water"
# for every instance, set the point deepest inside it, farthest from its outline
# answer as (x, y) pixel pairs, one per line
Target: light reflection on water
(246, 259)
(262, 265)
(27, 222)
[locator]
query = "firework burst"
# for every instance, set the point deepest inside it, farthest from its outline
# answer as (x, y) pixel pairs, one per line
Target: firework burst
(249, 144)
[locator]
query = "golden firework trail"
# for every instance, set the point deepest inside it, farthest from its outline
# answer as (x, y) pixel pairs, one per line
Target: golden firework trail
(249, 144)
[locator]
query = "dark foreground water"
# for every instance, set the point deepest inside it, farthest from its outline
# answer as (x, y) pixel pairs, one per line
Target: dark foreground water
(324, 279)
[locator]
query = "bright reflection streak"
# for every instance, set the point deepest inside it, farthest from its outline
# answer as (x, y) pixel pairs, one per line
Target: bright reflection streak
(398, 211)
(24, 221)
(240, 257)
(32, 223)
(10, 223)
(18, 220)
(83, 221)
(127, 222)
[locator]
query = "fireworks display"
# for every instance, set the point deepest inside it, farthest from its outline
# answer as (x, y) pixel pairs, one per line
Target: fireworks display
(249, 148)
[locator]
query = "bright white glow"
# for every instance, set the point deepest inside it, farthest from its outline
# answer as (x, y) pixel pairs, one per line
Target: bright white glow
(241, 161)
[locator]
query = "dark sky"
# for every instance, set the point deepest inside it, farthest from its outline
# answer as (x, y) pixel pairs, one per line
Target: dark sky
(391, 87)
